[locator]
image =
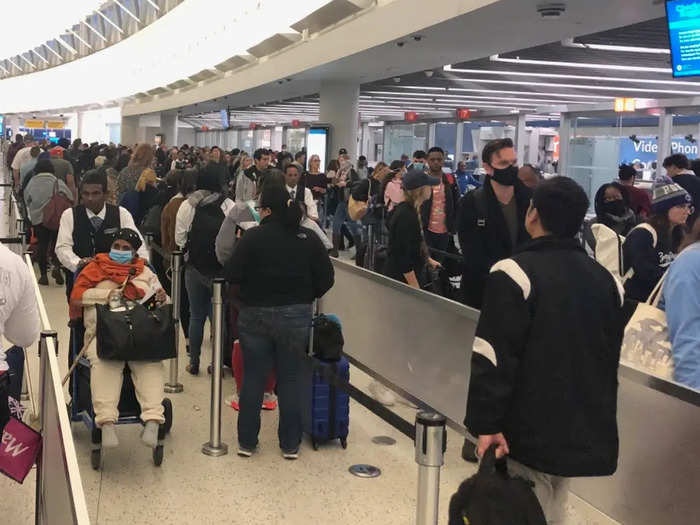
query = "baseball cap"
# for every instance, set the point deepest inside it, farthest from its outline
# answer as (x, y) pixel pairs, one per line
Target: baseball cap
(415, 178)
(342, 151)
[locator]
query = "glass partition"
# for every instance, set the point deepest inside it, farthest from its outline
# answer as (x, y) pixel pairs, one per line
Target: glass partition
(263, 138)
(446, 138)
(404, 139)
(296, 139)
(245, 140)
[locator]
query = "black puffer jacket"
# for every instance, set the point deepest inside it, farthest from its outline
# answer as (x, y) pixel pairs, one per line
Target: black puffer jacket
(545, 359)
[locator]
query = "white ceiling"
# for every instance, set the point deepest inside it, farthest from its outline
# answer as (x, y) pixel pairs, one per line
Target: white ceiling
(500, 27)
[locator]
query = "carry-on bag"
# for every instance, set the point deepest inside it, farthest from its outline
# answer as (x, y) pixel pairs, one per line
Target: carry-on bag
(326, 408)
(19, 448)
(135, 333)
(493, 497)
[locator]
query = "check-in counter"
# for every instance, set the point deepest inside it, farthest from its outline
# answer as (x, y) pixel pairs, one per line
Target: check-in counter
(421, 344)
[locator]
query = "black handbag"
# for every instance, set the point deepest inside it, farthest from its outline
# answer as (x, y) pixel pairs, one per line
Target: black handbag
(328, 338)
(135, 333)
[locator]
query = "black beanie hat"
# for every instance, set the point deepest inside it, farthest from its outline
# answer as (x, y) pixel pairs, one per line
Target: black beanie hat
(128, 235)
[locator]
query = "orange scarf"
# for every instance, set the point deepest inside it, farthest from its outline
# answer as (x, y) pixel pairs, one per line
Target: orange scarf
(102, 268)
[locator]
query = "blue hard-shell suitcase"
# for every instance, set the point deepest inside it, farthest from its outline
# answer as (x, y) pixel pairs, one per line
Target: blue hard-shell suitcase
(326, 407)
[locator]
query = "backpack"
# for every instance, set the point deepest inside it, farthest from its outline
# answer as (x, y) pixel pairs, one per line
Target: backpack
(55, 208)
(151, 221)
(201, 238)
(608, 249)
(492, 497)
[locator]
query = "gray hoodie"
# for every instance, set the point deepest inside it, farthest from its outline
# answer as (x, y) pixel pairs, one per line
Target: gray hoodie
(39, 192)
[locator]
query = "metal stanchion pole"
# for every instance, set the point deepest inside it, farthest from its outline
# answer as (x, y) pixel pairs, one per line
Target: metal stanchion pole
(148, 240)
(431, 443)
(173, 386)
(214, 447)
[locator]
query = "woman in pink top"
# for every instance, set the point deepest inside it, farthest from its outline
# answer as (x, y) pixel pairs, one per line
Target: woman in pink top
(393, 194)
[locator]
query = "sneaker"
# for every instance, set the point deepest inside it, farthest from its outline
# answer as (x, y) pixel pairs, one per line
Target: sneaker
(382, 394)
(57, 275)
(291, 454)
(233, 401)
(44, 280)
(269, 401)
(245, 452)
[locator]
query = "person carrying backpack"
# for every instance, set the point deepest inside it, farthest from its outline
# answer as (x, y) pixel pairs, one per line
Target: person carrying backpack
(197, 224)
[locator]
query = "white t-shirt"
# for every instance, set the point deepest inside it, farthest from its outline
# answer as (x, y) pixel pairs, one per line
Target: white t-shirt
(21, 158)
(19, 313)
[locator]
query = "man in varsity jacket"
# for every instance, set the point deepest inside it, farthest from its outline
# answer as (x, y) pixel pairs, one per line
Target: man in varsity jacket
(543, 386)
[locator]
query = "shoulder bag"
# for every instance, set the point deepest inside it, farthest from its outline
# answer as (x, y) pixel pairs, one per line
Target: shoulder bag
(134, 333)
(646, 344)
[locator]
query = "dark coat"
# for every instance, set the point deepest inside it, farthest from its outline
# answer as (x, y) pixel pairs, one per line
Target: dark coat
(486, 240)
(545, 358)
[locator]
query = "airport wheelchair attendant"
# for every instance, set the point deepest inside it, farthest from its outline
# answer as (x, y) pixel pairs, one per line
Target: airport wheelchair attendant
(128, 331)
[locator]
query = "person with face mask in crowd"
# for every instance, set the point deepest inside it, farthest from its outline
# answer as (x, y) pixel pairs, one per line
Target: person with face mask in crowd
(491, 219)
(102, 281)
(613, 210)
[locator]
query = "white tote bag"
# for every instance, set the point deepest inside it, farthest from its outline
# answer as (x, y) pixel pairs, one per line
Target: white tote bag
(646, 344)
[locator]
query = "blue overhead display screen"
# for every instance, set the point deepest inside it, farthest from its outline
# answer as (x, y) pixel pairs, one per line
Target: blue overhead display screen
(684, 34)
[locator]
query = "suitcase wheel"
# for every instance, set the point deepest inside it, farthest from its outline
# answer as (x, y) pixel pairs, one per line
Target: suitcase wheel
(314, 443)
(158, 455)
(96, 458)
(344, 442)
(168, 414)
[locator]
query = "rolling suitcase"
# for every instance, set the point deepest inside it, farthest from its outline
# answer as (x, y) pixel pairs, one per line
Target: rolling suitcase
(326, 408)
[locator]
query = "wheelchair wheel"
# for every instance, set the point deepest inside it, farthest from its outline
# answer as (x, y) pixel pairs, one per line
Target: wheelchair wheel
(158, 455)
(168, 414)
(96, 458)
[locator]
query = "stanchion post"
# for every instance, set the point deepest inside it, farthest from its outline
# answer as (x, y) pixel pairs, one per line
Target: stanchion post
(173, 386)
(148, 240)
(431, 443)
(214, 447)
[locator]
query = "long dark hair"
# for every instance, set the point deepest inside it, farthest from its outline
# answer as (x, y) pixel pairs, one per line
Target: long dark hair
(666, 235)
(275, 197)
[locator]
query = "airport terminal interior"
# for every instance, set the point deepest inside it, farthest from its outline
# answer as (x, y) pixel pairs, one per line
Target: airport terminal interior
(154, 110)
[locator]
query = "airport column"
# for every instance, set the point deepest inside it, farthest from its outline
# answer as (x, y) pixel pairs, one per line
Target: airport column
(520, 138)
(129, 130)
(339, 108)
(80, 118)
(564, 141)
(459, 143)
(664, 146)
(168, 127)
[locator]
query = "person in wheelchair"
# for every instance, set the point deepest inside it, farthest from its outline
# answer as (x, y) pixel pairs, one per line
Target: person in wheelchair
(115, 278)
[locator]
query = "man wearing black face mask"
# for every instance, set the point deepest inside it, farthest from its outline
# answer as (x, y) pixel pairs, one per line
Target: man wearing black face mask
(491, 219)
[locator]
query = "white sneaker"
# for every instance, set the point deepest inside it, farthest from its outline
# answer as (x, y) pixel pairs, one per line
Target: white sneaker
(382, 394)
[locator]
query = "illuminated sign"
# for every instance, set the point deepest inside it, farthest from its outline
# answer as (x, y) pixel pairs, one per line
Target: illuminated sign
(625, 104)
(410, 116)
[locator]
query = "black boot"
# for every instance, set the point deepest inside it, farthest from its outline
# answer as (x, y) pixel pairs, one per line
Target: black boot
(336, 245)
(44, 280)
(360, 249)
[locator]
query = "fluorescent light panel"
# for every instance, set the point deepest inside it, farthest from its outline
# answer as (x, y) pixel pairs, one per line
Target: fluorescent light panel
(104, 39)
(578, 77)
(468, 90)
(109, 21)
(581, 65)
(579, 86)
(569, 42)
(461, 98)
(76, 35)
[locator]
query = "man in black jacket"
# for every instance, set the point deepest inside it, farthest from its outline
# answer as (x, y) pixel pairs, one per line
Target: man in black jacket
(439, 212)
(543, 383)
(678, 168)
(491, 219)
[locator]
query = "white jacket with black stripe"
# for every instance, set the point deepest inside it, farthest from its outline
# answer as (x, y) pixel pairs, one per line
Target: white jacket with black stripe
(545, 359)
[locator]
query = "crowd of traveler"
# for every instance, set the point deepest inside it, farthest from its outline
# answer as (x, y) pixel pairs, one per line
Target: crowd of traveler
(260, 222)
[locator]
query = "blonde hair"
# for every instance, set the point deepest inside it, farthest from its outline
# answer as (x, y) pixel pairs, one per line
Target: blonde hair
(148, 177)
(143, 156)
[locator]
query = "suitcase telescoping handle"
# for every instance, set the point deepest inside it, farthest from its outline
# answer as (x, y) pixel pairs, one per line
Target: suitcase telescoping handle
(316, 306)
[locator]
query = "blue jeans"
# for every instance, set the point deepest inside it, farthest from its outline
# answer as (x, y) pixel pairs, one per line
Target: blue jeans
(273, 337)
(199, 292)
(341, 217)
